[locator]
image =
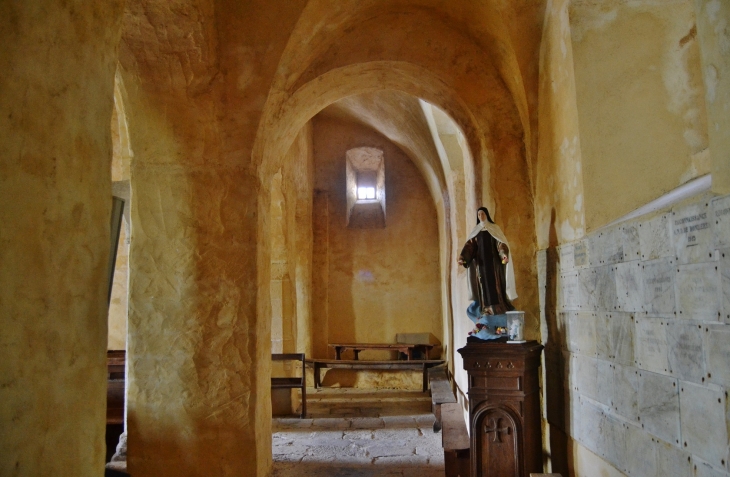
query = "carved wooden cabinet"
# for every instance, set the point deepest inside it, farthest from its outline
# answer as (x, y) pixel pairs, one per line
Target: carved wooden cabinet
(504, 408)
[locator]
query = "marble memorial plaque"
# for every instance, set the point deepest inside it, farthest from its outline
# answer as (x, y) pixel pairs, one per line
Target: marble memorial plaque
(595, 249)
(611, 247)
(588, 427)
(626, 392)
(631, 243)
(622, 338)
(686, 353)
(580, 254)
(603, 337)
(606, 299)
(629, 286)
(640, 453)
(671, 461)
(698, 291)
(565, 252)
(587, 293)
(614, 441)
(704, 469)
(717, 352)
(582, 333)
(584, 375)
(701, 410)
(570, 288)
(692, 233)
(721, 221)
(659, 406)
(651, 345)
(658, 277)
(654, 238)
(604, 382)
(725, 279)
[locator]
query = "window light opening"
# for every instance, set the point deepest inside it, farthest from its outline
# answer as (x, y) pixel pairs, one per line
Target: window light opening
(366, 193)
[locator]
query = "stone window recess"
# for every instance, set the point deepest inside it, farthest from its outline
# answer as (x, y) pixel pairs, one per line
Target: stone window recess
(365, 173)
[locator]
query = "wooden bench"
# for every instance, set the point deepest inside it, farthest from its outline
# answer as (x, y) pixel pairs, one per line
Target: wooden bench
(292, 382)
(441, 393)
(455, 441)
(419, 365)
(115, 387)
(405, 348)
(450, 420)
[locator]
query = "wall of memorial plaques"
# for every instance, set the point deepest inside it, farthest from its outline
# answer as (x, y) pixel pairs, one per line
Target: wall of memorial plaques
(641, 339)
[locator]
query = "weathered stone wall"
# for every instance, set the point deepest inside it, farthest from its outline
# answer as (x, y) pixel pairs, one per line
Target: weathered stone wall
(638, 352)
(378, 282)
(56, 104)
(640, 102)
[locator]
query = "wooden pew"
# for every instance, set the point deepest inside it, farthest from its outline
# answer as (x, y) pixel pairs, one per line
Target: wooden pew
(450, 421)
(292, 382)
(455, 441)
(441, 393)
(115, 387)
(420, 365)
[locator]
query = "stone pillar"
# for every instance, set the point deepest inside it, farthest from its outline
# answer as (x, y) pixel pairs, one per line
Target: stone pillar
(713, 34)
(57, 83)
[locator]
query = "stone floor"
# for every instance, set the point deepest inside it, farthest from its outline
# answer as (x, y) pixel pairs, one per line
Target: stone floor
(359, 433)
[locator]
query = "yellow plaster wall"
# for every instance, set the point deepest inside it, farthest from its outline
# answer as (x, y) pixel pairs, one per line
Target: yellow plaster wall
(118, 305)
(713, 36)
(55, 183)
(640, 102)
(378, 282)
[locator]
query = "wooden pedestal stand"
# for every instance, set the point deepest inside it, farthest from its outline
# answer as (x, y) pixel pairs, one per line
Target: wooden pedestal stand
(504, 408)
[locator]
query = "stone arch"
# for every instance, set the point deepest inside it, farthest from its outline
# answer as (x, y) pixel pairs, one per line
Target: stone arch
(279, 128)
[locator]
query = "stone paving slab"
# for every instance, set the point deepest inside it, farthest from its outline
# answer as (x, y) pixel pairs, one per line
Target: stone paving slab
(395, 439)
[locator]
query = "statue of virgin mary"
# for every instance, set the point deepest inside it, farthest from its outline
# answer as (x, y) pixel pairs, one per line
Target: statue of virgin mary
(490, 276)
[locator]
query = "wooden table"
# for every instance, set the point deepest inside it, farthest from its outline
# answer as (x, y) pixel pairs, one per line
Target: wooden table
(405, 348)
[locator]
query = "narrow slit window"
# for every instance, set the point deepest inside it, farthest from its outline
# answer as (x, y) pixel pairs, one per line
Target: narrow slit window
(366, 193)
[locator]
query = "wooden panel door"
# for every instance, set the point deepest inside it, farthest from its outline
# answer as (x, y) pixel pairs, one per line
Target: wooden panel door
(498, 444)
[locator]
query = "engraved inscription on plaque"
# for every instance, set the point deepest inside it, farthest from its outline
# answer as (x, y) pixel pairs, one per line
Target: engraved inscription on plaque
(580, 254)
(698, 291)
(654, 238)
(686, 359)
(566, 257)
(692, 233)
(659, 286)
(721, 220)
(651, 345)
